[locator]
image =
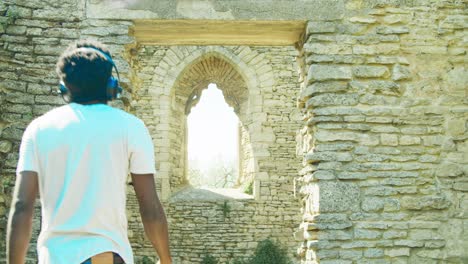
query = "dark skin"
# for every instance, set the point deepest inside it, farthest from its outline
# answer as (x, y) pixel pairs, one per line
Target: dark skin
(26, 190)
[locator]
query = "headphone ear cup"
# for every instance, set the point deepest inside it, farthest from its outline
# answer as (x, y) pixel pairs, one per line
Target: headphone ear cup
(62, 89)
(113, 88)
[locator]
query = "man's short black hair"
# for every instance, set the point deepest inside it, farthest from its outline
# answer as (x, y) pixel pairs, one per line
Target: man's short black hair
(85, 72)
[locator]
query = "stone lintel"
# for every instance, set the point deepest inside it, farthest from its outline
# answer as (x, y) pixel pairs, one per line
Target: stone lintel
(217, 32)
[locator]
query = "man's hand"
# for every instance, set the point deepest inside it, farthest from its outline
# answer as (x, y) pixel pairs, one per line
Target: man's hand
(20, 220)
(152, 215)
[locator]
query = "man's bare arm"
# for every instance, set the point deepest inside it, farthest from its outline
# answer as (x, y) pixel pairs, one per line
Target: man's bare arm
(21, 214)
(152, 215)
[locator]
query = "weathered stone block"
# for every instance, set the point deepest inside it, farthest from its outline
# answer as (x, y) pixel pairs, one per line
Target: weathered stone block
(320, 27)
(435, 244)
(425, 202)
(397, 252)
(333, 99)
(460, 186)
(373, 253)
(19, 98)
(449, 170)
(326, 49)
(371, 71)
(328, 72)
(335, 235)
(34, 31)
(348, 175)
(5, 146)
(385, 30)
(323, 87)
(409, 243)
(456, 126)
(382, 49)
(16, 30)
(327, 135)
(377, 86)
(34, 88)
(366, 234)
(400, 73)
(363, 19)
(409, 140)
(338, 197)
(394, 234)
(49, 99)
(372, 204)
(328, 156)
(396, 18)
(389, 139)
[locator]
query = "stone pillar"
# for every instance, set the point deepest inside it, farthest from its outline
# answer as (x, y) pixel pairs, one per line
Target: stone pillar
(383, 170)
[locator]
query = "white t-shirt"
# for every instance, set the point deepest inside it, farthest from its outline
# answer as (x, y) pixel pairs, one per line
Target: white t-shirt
(83, 154)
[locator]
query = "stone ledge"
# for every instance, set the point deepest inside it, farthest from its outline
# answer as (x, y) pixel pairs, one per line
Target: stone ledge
(192, 194)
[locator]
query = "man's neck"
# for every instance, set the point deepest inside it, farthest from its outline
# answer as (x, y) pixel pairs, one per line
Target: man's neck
(93, 102)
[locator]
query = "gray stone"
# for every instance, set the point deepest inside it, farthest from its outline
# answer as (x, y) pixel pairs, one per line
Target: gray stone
(409, 243)
(425, 202)
(449, 170)
(366, 234)
(5, 146)
(328, 156)
(348, 175)
(373, 253)
(400, 73)
(372, 204)
(394, 234)
(363, 19)
(371, 71)
(338, 197)
(332, 99)
(323, 87)
(35, 88)
(19, 98)
(392, 30)
(320, 27)
(397, 252)
(16, 30)
(328, 72)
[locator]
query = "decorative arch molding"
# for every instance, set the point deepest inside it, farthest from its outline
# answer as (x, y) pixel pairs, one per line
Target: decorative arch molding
(249, 67)
(211, 68)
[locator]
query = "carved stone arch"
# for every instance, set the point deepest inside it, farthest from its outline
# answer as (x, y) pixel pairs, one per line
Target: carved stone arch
(251, 70)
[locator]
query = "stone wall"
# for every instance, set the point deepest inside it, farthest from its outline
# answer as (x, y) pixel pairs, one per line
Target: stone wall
(218, 222)
(385, 102)
(33, 34)
(384, 88)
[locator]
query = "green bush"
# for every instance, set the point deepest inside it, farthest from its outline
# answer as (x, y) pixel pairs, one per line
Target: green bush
(237, 261)
(269, 252)
(146, 260)
(208, 259)
(249, 188)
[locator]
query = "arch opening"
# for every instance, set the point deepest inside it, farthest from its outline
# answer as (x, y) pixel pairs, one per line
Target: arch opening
(217, 171)
(213, 141)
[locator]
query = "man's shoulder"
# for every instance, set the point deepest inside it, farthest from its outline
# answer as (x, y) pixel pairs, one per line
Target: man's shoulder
(130, 118)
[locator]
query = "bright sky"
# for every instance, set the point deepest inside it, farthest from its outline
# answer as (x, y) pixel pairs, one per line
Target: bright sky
(212, 130)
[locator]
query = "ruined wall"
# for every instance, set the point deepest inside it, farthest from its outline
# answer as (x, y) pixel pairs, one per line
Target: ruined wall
(34, 33)
(385, 102)
(203, 222)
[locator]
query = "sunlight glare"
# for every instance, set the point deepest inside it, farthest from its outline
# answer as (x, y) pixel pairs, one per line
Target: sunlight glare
(212, 139)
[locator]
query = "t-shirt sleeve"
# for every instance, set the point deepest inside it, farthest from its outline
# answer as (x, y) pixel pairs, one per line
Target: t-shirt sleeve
(141, 150)
(28, 160)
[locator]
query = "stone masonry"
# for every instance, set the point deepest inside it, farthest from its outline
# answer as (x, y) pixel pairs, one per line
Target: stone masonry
(384, 96)
(372, 100)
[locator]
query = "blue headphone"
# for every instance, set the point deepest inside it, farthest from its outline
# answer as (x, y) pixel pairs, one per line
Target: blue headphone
(113, 89)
